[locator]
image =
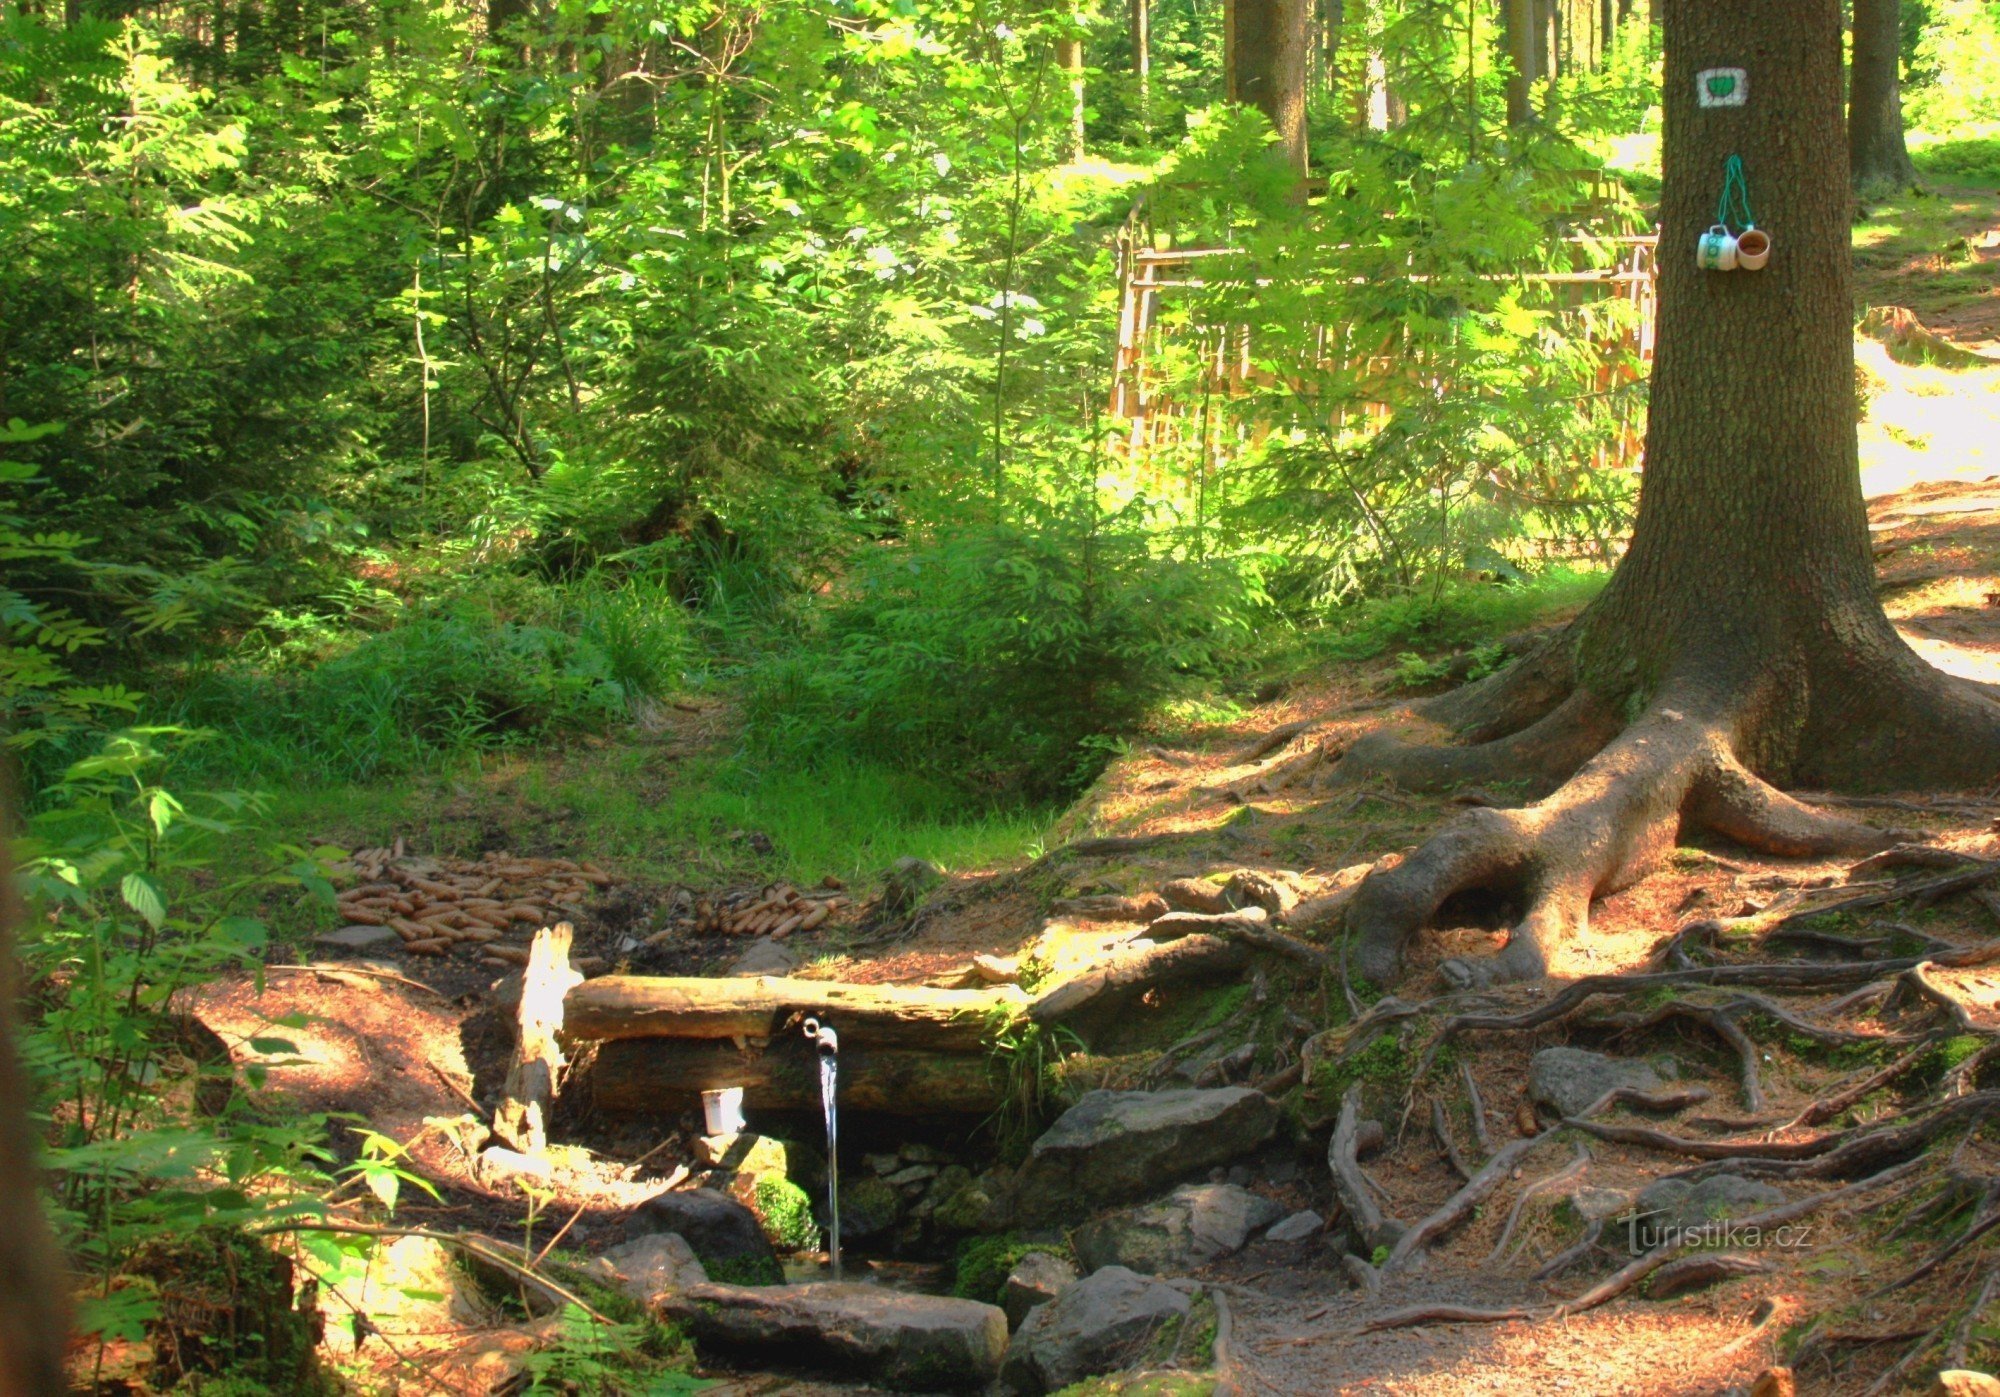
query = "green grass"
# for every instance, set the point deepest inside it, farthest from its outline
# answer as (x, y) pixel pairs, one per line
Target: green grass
(1463, 615)
(650, 816)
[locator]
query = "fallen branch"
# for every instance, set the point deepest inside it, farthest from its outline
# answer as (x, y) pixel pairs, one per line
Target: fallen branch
(1273, 740)
(1191, 959)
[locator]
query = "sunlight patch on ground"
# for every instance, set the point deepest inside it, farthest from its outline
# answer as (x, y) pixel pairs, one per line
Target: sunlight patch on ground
(1926, 423)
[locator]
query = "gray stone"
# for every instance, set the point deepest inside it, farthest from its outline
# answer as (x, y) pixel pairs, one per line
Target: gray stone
(918, 1343)
(907, 883)
(1668, 1206)
(764, 957)
(1099, 1325)
(1036, 1279)
(1113, 1146)
(359, 937)
(1596, 1204)
(724, 1234)
(915, 1174)
(1297, 1228)
(882, 1163)
(650, 1268)
(1190, 1227)
(1570, 1080)
(868, 1208)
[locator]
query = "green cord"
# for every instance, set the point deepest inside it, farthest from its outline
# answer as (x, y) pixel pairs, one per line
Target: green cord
(1737, 185)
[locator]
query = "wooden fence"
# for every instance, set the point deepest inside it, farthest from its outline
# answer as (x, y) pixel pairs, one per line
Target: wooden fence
(1152, 419)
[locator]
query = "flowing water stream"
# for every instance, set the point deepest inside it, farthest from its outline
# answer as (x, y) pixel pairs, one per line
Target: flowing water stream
(827, 1043)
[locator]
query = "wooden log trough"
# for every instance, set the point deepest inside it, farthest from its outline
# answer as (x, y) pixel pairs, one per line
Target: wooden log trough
(905, 1049)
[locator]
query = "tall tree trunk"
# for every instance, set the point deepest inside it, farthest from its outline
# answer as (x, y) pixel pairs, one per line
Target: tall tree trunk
(33, 1292)
(1268, 67)
(1519, 18)
(1069, 58)
(1741, 641)
(1877, 157)
(1140, 19)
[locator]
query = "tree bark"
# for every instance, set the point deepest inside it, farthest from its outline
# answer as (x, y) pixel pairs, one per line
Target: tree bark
(1139, 17)
(1877, 158)
(1518, 18)
(34, 1318)
(1741, 641)
(1069, 58)
(1267, 67)
(523, 1114)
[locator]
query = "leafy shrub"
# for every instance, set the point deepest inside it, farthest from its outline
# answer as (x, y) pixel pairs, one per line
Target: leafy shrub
(1970, 159)
(1004, 658)
(449, 680)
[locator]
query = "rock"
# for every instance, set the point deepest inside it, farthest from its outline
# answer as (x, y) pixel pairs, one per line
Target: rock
(497, 1165)
(359, 937)
(882, 1163)
(412, 1286)
(1668, 1206)
(914, 1174)
(1190, 1227)
(1297, 1228)
(1098, 1325)
(1113, 1146)
(760, 1157)
(970, 1209)
(1570, 1080)
(868, 1208)
(1175, 925)
(650, 1268)
(1036, 1279)
(1195, 895)
(764, 957)
(723, 1233)
(1963, 1382)
(917, 1152)
(919, 1343)
(1596, 1204)
(907, 883)
(490, 1362)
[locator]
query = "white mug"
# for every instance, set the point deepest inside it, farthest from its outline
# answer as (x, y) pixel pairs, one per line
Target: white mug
(1753, 250)
(1715, 251)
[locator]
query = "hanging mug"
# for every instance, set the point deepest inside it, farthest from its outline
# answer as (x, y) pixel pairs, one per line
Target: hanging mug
(1753, 250)
(1716, 251)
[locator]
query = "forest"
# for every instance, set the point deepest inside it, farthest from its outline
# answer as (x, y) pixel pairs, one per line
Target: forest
(1168, 697)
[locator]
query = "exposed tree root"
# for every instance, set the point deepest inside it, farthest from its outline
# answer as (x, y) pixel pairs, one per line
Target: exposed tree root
(1827, 1107)
(1350, 1185)
(1567, 1174)
(1623, 792)
(1478, 1107)
(1455, 1208)
(1704, 1268)
(1442, 1130)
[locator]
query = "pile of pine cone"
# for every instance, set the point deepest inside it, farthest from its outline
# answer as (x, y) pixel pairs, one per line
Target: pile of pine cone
(776, 910)
(436, 904)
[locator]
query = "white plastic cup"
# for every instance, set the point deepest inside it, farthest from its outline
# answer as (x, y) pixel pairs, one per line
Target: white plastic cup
(1753, 250)
(1715, 250)
(723, 1110)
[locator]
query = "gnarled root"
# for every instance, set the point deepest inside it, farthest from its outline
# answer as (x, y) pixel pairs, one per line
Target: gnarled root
(1603, 829)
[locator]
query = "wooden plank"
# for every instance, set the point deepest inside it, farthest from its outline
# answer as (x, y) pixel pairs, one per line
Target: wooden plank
(522, 1119)
(656, 1075)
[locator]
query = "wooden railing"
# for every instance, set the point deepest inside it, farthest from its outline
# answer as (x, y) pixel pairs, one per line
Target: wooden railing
(1153, 418)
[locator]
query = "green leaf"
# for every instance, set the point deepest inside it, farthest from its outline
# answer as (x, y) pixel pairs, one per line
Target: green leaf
(143, 896)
